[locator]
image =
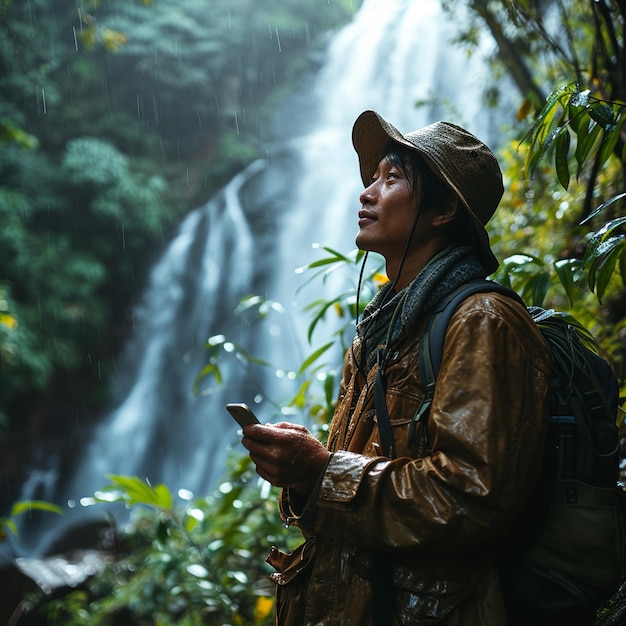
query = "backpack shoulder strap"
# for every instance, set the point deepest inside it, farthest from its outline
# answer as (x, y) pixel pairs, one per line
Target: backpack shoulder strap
(433, 338)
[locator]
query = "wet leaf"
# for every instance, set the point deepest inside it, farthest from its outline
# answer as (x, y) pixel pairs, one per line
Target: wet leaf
(314, 356)
(607, 267)
(602, 114)
(210, 369)
(580, 100)
(596, 255)
(561, 158)
(565, 271)
(610, 138)
(622, 268)
(586, 143)
(136, 491)
(603, 207)
(26, 506)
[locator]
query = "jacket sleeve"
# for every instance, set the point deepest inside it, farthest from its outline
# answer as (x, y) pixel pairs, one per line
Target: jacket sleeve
(487, 429)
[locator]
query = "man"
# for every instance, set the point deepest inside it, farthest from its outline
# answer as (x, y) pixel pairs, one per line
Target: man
(413, 534)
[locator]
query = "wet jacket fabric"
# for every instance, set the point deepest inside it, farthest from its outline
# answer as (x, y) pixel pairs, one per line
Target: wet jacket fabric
(423, 531)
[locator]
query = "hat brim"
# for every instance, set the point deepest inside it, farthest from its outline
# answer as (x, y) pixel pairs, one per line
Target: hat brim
(371, 136)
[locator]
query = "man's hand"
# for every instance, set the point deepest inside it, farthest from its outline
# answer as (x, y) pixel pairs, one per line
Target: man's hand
(286, 455)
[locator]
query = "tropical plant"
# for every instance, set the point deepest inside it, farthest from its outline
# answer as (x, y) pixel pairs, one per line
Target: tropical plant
(560, 226)
(183, 560)
(8, 524)
(577, 125)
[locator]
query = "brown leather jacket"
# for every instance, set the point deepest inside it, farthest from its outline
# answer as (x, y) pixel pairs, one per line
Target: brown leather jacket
(423, 530)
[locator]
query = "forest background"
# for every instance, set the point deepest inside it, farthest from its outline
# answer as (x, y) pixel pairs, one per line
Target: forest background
(103, 151)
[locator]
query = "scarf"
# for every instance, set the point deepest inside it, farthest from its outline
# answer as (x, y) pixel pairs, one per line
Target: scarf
(445, 272)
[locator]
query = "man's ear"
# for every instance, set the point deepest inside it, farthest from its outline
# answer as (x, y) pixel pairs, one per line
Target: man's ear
(447, 212)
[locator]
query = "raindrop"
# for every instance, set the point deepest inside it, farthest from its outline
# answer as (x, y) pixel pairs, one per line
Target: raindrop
(185, 494)
(225, 487)
(197, 514)
(198, 570)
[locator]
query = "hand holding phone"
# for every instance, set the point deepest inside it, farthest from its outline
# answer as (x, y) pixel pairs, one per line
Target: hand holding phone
(242, 413)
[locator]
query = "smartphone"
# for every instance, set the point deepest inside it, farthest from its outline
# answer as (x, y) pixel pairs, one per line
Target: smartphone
(242, 413)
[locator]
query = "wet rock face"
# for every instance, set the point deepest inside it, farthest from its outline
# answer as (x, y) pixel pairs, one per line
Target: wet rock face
(59, 572)
(79, 553)
(53, 576)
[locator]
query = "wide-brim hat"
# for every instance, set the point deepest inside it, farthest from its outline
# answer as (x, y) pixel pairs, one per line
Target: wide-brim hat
(463, 162)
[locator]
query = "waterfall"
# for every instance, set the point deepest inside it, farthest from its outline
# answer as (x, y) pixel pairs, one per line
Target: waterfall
(255, 232)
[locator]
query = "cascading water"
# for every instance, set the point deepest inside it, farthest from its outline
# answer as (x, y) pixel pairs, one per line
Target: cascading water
(252, 236)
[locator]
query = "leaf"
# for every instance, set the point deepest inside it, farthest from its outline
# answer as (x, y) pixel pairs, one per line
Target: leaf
(610, 138)
(561, 158)
(164, 498)
(576, 114)
(603, 206)
(323, 307)
(10, 525)
(580, 100)
(247, 303)
(338, 255)
(602, 114)
(594, 258)
(314, 356)
(136, 491)
(586, 145)
(541, 133)
(606, 230)
(601, 250)
(538, 286)
(26, 506)
(541, 127)
(210, 369)
(300, 400)
(607, 267)
(622, 268)
(565, 272)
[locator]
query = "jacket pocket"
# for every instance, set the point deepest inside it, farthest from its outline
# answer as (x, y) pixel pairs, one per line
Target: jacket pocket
(289, 565)
(293, 570)
(416, 599)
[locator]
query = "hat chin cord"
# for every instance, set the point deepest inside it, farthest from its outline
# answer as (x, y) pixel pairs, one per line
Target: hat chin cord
(393, 285)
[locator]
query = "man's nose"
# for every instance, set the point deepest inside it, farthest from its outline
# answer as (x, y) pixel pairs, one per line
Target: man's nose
(367, 194)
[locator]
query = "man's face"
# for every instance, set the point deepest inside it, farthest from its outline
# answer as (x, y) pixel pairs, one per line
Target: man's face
(387, 213)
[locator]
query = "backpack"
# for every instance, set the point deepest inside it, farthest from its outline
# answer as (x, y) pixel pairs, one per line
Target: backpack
(575, 556)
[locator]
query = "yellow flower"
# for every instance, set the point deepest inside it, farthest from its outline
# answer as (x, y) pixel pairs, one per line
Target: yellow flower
(264, 606)
(8, 320)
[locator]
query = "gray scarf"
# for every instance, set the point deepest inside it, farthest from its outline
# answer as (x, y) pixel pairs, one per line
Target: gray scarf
(443, 274)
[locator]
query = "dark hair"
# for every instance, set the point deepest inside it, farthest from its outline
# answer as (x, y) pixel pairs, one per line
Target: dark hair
(434, 192)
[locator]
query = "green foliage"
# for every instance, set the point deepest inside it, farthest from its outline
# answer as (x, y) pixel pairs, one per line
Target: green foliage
(105, 110)
(570, 113)
(561, 231)
(185, 560)
(8, 524)
(193, 73)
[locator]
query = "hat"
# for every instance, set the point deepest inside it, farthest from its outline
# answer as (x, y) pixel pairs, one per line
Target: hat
(465, 164)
